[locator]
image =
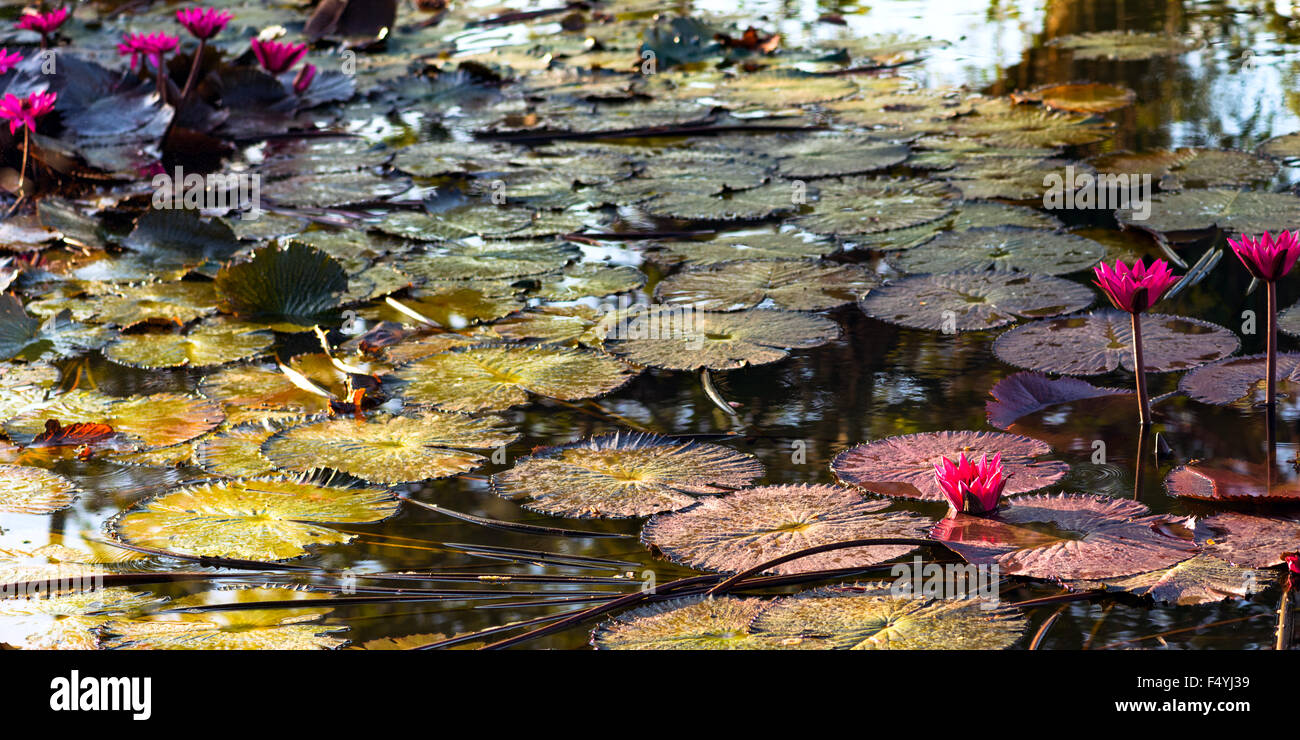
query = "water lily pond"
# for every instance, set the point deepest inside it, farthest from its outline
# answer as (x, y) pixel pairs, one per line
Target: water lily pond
(524, 324)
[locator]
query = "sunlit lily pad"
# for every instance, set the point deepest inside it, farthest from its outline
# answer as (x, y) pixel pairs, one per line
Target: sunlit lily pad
(390, 449)
(298, 285)
(237, 452)
(1246, 540)
(870, 617)
(973, 301)
(1082, 97)
(903, 467)
(1101, 342)
(66, 620)
(1199, 580)
(489, 261)
(776, 90)
(1231, 480)
(206, 345)
(23, 385)
(1197, 210)
(497, 377)
(624, 475)
(589, 279)
(467, 221)
(691, 623)
(26, 490)
(999, 123)
(1024, 393)
(1122, 45)
(571, 325)
(1240, 380)
(1189, 167)
(453, 308)
(863, 205)
(791, 284)
(685, 339)
(738, 531)
(229, 629)
(251, 518)
(158, 420)
(1068, 537)
(27, 338)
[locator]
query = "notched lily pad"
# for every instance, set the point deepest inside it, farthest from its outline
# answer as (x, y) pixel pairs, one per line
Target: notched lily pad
(1240, 381)
(1003, 248)
(790, 284)
(1024, 393)
(681, 338)
(1232, 480)
(1246, 540)
(298, 285)
(972, 301)
(153, 421)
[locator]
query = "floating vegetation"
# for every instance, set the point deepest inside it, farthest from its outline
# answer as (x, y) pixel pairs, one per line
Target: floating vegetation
(1002, 248)
(972, 301)
(791, 284)
(665, 338)
(1198, 580)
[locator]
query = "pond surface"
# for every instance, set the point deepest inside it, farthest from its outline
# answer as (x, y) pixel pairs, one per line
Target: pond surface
(1234, 89)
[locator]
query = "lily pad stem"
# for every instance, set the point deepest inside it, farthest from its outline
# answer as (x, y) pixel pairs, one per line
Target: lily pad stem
(1139, 369)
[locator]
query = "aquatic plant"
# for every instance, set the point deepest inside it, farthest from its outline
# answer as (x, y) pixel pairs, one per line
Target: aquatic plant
(46, 24)
(971, 487)
(1134, 289)
(1268, 258)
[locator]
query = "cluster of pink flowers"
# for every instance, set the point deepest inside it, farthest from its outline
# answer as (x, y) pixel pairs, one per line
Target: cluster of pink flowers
(151, 45)
(23, 112)
(971, 487)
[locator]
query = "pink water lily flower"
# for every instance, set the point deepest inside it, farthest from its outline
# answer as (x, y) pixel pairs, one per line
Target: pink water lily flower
(1267, 257)
(43, 23)
(278, 58)
(23, 112)
(152, 45)
(7, 60)
(1137, 288)
(970, 487)
(304, 78)
(203, 23)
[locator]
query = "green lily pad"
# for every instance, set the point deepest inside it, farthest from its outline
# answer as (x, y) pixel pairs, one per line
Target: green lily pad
(490, 261)
(624, 475)
(731, 247)
(969, 215)
(1233, 211)
(973, 301)
(251, 518)
(790, 284)
(67, 620)
(1200, 580)
(863, 205)
(1003, 248)
(691, 623)
(390, 449)
(589, 279)
(298, 285)
(777, 90)
(686, 339)
(232, 629)
(30, 339)
(496, 377)
(207, 345)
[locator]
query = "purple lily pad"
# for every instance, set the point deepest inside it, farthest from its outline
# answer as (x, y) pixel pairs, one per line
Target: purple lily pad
(1024, 393)
(903, 467)
(1240, 380)
(1235, 481)
(740, 530)
(971, 301)
(1068, 537)
(1102, 341)
(1246, 540)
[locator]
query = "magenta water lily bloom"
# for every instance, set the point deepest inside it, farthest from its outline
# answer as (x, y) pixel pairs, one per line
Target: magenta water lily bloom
(304, 78)
(23, 112)
(203, 23)
(1267, 257)
(43, 23)
(8, 60)
(970, 487)
(278, 58)
(1134, 289)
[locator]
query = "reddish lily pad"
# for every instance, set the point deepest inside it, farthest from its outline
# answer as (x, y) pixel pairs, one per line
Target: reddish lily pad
(1102, 341)
(971, 301)
(738, 531)
(1234, 480)
(1068, 537)
(1240, 380)
(903, 467)
(1246, 540)
(1024, 393)
(1199, 580)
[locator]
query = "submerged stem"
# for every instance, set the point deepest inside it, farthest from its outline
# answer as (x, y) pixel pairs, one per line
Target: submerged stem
(1271, 377)
(1139, 369)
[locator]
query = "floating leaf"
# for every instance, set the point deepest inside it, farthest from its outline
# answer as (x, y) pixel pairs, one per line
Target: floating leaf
(1101, 342)
(251, 518)
(776, 90)
(685, 339)
(24, 385)
(390, 449)
(1003, 248)
(298, 285)
(751, 526)
(1231, 480)
(998, 123)
(490, 261)
(67, 620)
(731, 247)
(691, 623)
(1187, 168)
(1082, 97)
(237, 452)
(34, 491)
(1198, 210)
(497, 377)
(1067, 537)
(623, 475)
(1021, 394)
(1012, 178)
(791, 284)
(863, 617)
(589, 279)
(863, 205)
(233, 629)
(178, 237)
(1245, 540)
(969, 215)
(553, 325)
(903, 467)
(1122, 45)
(24, 337)
(207, 345)
(1199, 580)
(754, 204)
(832, 156)
(1240, 380)
(158, 420)
(973, 301)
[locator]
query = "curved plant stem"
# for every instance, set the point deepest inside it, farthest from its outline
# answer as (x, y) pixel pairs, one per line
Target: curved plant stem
(1139, 369)
(22, 169)
(194, 74)
(162, 80)
(1047, 625)
(1285, 617)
